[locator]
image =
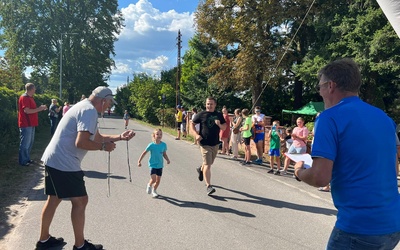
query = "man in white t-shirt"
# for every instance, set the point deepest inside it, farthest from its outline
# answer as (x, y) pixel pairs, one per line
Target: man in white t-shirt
(77, 133)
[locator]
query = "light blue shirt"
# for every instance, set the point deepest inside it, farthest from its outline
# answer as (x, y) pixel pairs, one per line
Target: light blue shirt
(156, 159)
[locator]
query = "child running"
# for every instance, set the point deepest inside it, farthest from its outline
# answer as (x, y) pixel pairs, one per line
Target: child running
(158, 151)
(126, 119)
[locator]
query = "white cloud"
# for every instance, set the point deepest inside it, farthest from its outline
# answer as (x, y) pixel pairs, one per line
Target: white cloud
(147, 43)
(121, 68)
(156, 65)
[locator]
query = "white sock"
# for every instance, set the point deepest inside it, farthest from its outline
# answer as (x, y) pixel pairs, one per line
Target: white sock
(81, 246)
(43, 241)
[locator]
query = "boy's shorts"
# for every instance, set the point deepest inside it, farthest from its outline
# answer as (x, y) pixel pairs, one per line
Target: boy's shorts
(64, 184)
(258, 137)
(178, 126)
(274, 152)
(156, 171)
(208, 154)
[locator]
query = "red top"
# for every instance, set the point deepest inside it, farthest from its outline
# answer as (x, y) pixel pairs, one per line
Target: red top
(24, 119)
(225, 133)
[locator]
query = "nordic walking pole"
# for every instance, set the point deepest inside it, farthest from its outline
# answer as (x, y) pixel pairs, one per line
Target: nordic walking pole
(129, 165)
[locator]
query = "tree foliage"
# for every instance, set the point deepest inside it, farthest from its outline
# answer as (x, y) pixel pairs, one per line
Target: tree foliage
(35, 31)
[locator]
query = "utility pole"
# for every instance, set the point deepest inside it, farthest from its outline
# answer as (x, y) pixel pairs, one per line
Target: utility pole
(178, 72)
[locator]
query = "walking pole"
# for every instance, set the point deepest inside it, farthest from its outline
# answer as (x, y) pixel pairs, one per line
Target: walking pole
(108, 175)
(129, 166)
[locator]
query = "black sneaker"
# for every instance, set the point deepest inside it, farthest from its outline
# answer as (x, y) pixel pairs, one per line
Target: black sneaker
(51, 242)
(271, 171)
(200, 173)
(277, 173)
(210, 190)
(89, 246)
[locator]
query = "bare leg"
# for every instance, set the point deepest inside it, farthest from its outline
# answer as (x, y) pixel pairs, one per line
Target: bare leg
(272, 162)
(278, 163)
(287, 162)
(157, 181)
(207, 174)
(152, 180)
(48, 212)
(78, 218)
(259, 147)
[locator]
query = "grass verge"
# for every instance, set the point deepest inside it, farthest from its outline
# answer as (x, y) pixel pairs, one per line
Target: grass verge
(16, 180)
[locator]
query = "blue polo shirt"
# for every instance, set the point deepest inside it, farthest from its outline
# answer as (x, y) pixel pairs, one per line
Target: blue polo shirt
(360, 140)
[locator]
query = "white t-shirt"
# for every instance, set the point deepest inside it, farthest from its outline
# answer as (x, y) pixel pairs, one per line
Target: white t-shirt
(61, 153)
(257, 118)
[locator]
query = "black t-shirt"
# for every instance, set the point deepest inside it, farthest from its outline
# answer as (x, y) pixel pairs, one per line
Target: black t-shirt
(208, 129)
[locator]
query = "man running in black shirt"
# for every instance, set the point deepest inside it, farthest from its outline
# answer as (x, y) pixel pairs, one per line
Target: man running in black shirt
(211, 122)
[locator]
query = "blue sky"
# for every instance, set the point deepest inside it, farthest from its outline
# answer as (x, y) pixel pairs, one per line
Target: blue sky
(148, 41)
(147, 44)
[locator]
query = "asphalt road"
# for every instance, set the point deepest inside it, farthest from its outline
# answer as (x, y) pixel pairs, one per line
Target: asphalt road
(250, 209)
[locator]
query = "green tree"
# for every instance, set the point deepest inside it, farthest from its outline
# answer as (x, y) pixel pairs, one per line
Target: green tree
(34, 31)
(359, 30)
(195, 86)
(146, 96)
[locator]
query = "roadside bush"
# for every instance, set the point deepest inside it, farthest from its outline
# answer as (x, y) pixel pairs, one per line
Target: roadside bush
(168, 117)
(8, 119)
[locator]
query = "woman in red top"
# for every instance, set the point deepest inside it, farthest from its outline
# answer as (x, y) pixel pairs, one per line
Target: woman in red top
(224, 134)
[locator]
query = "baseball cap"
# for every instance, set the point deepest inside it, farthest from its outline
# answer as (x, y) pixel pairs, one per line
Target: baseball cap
(179, 106)
(104, 92)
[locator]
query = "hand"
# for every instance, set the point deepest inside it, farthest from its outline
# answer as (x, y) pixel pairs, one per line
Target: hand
(299, 165)
(127, 135)
(43, 107)
(218, 122)
(168, 162)
(199, 138)
(139, 164)
(109, 146)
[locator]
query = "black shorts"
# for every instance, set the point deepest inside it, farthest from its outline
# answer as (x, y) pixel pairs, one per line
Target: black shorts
(246, 141)
(156, 171)
(64, 184)
(178, 126)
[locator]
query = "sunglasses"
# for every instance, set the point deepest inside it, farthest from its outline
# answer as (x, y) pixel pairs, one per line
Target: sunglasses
(318, 86)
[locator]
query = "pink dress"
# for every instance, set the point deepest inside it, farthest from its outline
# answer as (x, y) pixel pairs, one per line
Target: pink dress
(225, 133)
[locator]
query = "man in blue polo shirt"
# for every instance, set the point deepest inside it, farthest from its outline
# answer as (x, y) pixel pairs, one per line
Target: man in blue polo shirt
(358, 158)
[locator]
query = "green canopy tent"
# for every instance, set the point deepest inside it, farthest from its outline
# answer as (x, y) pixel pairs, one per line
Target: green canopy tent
(311, 108)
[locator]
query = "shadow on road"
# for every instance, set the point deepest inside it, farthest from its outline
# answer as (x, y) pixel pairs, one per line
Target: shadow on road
(101, 175)
(202, 205)
(277, 203)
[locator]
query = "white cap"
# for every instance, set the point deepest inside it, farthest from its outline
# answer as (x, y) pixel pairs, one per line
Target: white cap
(104, 92)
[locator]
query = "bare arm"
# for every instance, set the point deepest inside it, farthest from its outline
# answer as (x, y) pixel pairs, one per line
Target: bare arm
(125, 136)
(83, 141)
(166, 157)
(36, 110)
(193, 127)
(139, 162)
